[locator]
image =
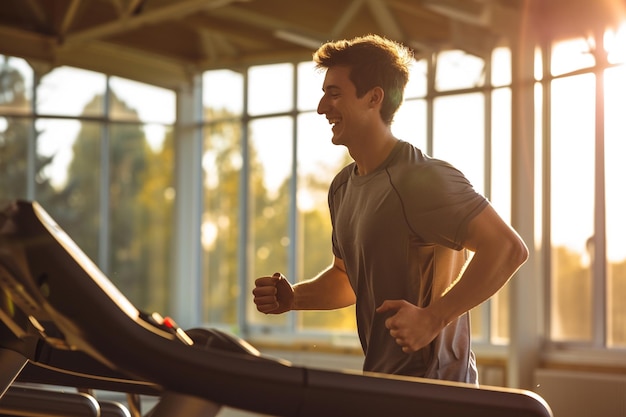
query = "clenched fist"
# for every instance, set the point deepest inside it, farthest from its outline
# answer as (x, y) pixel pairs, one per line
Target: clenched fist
(273, 295)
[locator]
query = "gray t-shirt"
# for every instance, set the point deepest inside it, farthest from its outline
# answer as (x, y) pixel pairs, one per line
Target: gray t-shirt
(399, 231)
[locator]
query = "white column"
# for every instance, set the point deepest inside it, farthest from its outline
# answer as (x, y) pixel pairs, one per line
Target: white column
(186, 280)
(526, 302)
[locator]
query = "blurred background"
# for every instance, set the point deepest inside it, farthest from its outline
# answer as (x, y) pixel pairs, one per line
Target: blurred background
(177, 143)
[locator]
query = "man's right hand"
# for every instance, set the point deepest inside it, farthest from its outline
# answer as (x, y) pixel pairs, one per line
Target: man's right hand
(273, 295)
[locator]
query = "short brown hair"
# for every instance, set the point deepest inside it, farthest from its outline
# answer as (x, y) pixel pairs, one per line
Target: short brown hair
(374, 61)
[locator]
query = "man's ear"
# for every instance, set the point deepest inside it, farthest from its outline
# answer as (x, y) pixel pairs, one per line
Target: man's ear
(376, 96)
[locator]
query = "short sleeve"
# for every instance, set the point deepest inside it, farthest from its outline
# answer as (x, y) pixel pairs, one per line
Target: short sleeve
(438, 202)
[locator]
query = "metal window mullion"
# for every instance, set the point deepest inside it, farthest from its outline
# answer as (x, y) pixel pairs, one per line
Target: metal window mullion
(31, 162)
(487, 118)
(244, 212)
(546, 181)
(293, 200)
(599, 272)
(105, 160)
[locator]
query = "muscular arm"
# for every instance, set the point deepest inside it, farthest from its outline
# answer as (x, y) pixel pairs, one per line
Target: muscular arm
(498, 253)
(329, 290)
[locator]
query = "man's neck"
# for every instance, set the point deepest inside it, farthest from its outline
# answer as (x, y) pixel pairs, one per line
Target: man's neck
(373, 152)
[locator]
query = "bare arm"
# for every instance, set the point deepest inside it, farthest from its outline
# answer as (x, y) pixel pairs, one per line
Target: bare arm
(498, 254)
(330, 289)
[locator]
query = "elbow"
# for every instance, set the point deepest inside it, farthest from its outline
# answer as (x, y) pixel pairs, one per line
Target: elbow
(518, 252)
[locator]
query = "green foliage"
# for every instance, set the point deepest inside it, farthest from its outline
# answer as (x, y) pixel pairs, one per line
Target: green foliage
(14, 143)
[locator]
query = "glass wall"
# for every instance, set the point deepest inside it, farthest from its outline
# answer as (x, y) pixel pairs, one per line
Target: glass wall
(287, 162)
(615, 172)
(96, 153)
(587, 204)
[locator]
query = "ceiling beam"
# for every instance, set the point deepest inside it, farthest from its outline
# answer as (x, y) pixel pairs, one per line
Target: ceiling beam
(250, 38)
(272, 57)
(214, 44)
(26, 44)
(133, 7)
(472, 39)
(261, 21)
(68, 17)
(125, 23)
(385, 19)
(468, 11)
(38, 12)
(346, 17)
(121, 61)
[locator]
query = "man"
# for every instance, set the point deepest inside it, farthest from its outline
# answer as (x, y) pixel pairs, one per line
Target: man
(403, 224)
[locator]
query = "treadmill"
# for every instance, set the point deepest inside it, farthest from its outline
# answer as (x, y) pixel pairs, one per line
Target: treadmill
(64, 322)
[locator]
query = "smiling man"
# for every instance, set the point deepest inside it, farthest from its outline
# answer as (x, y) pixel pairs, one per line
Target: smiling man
(403, 226)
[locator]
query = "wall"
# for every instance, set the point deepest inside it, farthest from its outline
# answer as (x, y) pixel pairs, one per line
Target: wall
(582, 394)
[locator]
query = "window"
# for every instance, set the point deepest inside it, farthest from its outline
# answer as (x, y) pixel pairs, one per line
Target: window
(270, 89)
(572, 207)
(615, 172)
(97, 152)
(16, 173)
(459, 134)
(222, 162)
(88, 155)
(67, 91)
(16, 85)
(587, 205)
(287, 227)
(318, 162)
(271, 162)
(458, 70)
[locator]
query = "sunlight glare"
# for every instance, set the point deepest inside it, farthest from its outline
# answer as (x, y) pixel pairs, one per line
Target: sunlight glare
(615, 44)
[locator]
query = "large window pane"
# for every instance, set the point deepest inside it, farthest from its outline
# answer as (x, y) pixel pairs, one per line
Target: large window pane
(139, 101)
(54, 142)
(459, 135)
(501, 198)
(318, 162)
(14, 142)
(572, 207)
(270, 89)
(615, 43)
(310, 80)
(571, 55)
(16, 85)
(74, 149)
(222, 91)
(501, 67)
(615, 153)
(221, 222)
(140, 221)
(15, 134)
(409, 123)
(271, 163)
(457, 69)
(417, 86)
(501, 152)
(69, 91)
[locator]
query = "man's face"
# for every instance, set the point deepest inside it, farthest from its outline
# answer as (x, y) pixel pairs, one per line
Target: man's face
(342, 108)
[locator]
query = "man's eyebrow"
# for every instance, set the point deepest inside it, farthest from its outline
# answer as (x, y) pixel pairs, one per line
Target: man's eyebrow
(330, 87)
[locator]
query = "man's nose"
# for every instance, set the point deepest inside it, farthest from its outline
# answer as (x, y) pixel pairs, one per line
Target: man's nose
(321, 106)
